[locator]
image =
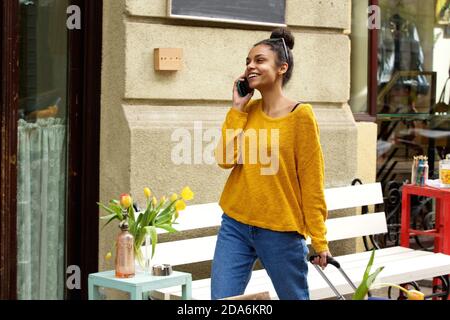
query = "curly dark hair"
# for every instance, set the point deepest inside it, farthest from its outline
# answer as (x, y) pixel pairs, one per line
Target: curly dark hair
(277, 45)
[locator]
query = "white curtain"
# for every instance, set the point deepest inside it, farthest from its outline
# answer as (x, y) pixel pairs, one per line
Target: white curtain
(41, 208)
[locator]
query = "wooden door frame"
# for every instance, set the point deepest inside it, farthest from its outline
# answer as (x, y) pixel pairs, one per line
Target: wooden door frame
(373, 68)
(84, 140)
(370, 115)
(84, 86)
(9, 99)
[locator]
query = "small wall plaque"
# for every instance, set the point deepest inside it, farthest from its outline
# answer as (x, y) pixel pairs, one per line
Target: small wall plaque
(169, 59)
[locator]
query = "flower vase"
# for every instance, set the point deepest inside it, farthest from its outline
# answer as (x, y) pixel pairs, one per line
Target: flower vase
(148, 254)
(139, 257)
(144, 255)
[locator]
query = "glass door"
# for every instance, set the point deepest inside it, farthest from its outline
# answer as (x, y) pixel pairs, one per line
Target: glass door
(42, 149)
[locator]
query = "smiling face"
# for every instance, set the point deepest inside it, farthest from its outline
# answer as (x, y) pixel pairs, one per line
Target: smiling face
(262, 69)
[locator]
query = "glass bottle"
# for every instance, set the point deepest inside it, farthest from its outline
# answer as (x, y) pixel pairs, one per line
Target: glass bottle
(422, 174)
(425, 173)
(414, 170)
(444, 172)
(125, 267)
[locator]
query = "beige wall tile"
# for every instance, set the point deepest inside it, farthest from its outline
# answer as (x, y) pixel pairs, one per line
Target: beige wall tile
(316, 13)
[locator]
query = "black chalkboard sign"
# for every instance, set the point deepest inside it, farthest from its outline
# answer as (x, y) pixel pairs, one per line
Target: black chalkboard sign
(265, 12)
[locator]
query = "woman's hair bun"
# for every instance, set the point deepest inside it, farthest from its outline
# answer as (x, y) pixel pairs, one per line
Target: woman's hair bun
(286, 34)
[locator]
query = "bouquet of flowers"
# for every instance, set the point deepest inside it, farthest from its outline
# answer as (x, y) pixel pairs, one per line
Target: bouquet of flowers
(158, 214)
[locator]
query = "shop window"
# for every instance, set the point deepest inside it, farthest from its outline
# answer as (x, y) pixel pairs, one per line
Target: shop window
(412, 67)
(399, 71)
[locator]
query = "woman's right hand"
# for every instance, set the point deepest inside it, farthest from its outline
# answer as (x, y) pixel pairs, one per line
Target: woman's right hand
(240, 102)
(321, 259)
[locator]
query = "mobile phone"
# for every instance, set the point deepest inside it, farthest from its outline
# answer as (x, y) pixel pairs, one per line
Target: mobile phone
(243, 87)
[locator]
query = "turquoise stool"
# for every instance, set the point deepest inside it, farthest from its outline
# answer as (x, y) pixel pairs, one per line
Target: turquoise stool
(140, 284)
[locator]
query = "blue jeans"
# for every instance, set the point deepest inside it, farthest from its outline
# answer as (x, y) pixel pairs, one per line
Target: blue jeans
(283, 255)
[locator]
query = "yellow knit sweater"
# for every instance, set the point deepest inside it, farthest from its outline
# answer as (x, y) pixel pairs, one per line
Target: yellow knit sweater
(277, 181)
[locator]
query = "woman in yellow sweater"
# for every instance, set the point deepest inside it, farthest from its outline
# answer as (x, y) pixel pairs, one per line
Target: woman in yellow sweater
(274, 197)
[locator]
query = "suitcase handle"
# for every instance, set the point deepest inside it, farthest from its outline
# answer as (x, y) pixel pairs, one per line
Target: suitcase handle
(334, 262)
(330, 260)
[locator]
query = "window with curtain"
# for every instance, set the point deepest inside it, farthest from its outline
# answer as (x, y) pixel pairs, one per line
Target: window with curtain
(42, 150)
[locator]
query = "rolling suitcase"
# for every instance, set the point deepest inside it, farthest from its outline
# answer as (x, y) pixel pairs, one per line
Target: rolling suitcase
(336, 264)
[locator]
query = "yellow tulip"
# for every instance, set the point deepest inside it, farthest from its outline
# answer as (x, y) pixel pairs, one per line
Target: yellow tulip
(173, 197)
(180, 205)
(163, 200)
(155, 201)
(147, 192)
(415, 295)
(410, 294)
(125, 200)
(108, 256)
(187, 194)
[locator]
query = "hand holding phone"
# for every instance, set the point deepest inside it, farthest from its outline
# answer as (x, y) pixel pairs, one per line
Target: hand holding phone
(241, 92)
(243, 87)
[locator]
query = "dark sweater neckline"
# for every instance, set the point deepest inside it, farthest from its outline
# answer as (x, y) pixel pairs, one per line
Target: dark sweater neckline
(286, 116)
(296, 106)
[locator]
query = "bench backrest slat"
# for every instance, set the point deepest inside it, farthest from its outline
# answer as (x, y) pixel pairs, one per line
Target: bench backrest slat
(356, 226)
(353, 196)
(199, 216)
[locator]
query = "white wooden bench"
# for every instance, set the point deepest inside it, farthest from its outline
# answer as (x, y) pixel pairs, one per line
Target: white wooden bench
(402, 265)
